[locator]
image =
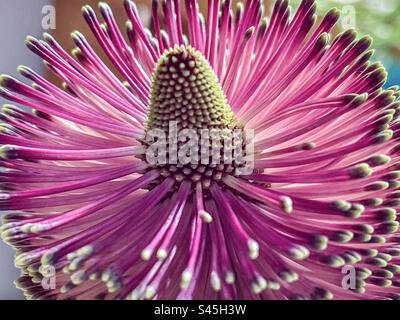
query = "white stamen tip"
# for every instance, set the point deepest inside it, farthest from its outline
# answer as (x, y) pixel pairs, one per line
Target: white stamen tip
(37, 228)
(186, 278)
(94, 276)
(106, 276)
(113, 286)
(274, 285)
(135, 295)
(230, 277)
(85, 251)
(253, 249)
(299, 252)
(26, 228)
(146, 254)
(162, 254)
(78, 277)
(205, 216)
(215, 281)
(287, 204)
(150, 292)
(260, 285)
(71, 256)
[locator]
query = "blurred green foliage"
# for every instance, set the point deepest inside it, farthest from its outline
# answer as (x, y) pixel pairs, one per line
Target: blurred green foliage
(378, 18)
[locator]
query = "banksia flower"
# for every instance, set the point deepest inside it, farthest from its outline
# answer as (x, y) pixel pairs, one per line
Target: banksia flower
(81, 195)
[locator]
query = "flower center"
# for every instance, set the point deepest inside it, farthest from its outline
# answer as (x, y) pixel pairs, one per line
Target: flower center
(186, 90)
(190, 115)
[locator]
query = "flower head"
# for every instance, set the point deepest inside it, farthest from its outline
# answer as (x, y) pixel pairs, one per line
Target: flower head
(84, 197)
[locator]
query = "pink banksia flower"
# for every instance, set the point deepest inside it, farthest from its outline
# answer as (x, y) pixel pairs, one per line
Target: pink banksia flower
(79, 194)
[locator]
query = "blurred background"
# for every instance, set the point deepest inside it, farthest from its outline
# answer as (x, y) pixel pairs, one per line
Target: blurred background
(18, 18)
(378, 18)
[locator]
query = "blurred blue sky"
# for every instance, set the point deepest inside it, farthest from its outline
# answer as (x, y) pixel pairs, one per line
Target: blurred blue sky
(394, 75)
